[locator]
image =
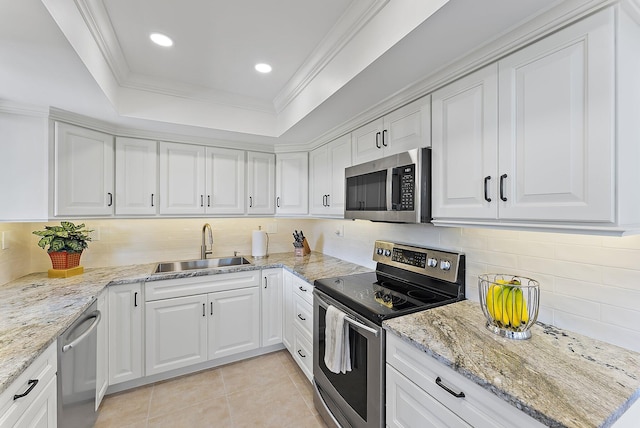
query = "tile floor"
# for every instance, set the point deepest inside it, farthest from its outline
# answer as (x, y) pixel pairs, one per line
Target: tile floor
(265, 391)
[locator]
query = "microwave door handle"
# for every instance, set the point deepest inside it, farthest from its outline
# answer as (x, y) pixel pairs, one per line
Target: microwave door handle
(393, 190)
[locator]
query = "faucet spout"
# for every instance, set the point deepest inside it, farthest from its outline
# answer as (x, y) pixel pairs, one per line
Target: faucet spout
(203, 247)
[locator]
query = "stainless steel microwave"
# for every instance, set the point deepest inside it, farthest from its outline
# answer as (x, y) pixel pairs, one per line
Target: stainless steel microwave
(392, 189)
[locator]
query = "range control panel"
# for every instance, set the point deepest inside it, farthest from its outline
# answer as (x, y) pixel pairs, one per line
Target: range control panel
(435, 263)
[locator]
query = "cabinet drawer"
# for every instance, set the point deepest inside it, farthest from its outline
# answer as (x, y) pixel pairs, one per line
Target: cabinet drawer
(303, 315)
(170, 288)
(478, 407)
(43, 369)
(409, 406)
(303, 289)
(303, 352)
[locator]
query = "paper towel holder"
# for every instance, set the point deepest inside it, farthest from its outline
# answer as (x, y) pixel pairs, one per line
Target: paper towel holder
(260, 244)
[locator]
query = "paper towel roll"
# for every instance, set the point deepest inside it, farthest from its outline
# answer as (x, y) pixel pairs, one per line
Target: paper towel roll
(259, 244)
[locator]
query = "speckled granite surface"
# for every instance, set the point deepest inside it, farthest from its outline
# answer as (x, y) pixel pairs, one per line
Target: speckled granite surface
(35, 309)
(560, 378)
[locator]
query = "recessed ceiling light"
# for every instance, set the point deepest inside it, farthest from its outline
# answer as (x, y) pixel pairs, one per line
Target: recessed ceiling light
(263, 68)
(161, 39)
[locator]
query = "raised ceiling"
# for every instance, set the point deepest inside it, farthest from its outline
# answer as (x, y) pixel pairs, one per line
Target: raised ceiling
(331, 59)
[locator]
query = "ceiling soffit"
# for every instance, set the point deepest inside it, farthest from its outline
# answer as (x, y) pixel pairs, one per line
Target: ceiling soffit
(157, 98)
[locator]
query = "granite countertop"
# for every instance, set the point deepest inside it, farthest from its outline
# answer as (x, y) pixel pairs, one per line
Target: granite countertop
(36, 309)
(560, 378)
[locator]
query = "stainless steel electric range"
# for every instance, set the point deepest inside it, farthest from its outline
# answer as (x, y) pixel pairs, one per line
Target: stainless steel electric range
(407, 279)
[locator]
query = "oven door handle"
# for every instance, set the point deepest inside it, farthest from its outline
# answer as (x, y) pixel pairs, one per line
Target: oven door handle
(351, 321)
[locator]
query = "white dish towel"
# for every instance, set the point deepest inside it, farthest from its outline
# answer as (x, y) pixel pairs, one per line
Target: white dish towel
(337, 356)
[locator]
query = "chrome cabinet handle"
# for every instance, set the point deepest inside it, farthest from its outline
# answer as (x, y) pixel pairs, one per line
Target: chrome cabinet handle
(383, 139)
(250, 202)
(486, 188)
(202, 200)
(449, 390)
(502, 177)
(301, 317)
(32, 384)
(301, 354)
(152, 199)
(110, 199)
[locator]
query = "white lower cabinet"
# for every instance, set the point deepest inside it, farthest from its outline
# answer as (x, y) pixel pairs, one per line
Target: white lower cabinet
(271, 299)
(298, 321)
(125, 332)
(102, 363)
(422, 392)
(36, 405)
(193, 320)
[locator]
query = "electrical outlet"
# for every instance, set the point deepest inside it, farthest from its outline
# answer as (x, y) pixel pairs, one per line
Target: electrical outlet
(272, 227)
(340, 231)
(5, 240)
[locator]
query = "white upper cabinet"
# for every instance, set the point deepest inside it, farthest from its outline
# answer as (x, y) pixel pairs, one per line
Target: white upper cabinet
(292, 183)
(261, 182)
(406, 128)
(327, 164)
(182, 176)
(465, 146)
(83, 172)
(136, 177)
(531, 137)
(225, 181)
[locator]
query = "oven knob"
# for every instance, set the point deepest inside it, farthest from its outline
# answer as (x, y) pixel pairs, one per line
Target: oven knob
(379, 251)
(432, 263)
(387, 253)
(445, 265)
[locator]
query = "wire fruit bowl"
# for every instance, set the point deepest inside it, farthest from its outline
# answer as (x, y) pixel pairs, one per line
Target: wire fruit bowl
(510, 303)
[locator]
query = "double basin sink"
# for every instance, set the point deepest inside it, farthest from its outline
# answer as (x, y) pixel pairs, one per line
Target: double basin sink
(225, 262)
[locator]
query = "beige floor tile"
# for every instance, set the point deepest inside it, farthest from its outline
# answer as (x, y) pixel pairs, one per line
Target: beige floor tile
(211, 413)
(124, 408)
(257, 372)
(175, 394)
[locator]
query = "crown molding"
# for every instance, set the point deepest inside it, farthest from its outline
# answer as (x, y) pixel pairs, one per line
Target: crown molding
(347, 27)
(11, 107)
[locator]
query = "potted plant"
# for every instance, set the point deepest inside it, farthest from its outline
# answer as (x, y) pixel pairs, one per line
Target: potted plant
(66, 243)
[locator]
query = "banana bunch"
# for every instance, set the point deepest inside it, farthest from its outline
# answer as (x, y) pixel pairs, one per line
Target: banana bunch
(506, 304)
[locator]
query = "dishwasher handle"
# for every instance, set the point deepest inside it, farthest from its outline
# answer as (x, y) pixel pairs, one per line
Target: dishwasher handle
(95, 314)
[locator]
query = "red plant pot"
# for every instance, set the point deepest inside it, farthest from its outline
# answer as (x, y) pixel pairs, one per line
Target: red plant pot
(64, 260)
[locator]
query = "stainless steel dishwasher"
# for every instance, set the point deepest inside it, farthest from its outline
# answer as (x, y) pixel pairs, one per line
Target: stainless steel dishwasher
(77, 353)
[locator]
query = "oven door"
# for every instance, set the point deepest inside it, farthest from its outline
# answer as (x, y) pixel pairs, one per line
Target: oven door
(355, 398)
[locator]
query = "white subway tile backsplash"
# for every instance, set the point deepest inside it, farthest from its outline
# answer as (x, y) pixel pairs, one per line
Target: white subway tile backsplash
(571, 304)
(627, 318)
(609, 333)
(623, 278)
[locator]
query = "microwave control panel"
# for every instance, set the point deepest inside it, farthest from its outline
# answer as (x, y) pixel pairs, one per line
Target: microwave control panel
(407, 184)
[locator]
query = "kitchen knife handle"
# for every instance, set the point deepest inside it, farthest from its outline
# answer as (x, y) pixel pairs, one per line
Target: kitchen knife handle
(449, 390)
(378, 140)
(502, 177)
(486, 188)
(383, 139)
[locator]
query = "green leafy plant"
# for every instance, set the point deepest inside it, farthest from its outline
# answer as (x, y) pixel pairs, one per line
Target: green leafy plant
(66, 237)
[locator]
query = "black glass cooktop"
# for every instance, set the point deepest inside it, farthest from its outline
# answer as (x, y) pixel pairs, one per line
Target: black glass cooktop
(378, 297)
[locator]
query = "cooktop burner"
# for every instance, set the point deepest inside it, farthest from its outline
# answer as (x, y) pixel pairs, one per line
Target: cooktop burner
(402, 283)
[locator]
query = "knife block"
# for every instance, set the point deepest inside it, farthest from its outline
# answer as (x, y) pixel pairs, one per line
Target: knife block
(302, 251)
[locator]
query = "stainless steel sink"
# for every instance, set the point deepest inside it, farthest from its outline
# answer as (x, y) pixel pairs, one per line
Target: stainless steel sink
(168, 267)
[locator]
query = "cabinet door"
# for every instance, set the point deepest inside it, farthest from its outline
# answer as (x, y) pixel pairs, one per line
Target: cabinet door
(465, 147)
(292, 183)
(182, 176)
(136, 176)
(225, 181)
(261, 183)
(410, 407)
(102, 364)
(271, 299)
(43, 412)
(176, 333)
(367, 142)
(235, 324)
(408, 127)
(287, 309)
(557, 109)
(83, 171)
(125, 332)
(320, 175)
(339, 153)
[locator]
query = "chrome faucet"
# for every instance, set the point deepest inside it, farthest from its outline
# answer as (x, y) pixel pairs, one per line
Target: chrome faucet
(203, 248)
